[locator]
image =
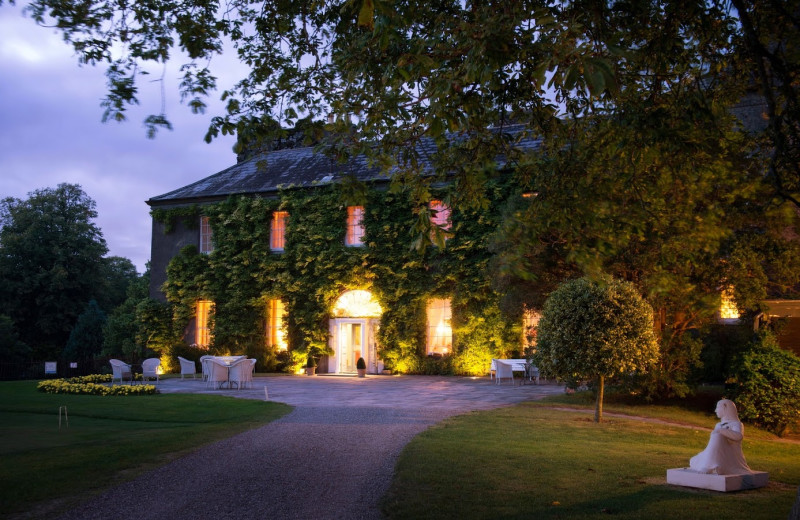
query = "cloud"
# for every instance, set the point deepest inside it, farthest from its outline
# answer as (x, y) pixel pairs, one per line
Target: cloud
(50, 132)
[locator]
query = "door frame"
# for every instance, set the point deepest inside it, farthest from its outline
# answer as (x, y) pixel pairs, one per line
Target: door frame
(369, 349)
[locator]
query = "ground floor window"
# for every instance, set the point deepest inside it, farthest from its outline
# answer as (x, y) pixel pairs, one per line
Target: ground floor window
(439, 330)
(202, 331)
(530, 325)
(276, 337)
(728, 310)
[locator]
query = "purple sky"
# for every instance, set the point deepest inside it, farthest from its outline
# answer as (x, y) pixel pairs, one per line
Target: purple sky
(50, 132)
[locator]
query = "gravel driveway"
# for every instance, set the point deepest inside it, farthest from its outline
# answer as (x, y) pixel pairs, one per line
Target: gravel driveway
(332, 457)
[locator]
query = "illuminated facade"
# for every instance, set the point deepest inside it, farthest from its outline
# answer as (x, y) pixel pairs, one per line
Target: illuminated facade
(357, 316)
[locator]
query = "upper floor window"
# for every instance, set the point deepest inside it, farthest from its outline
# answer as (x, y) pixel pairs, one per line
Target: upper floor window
(355, 226)
(440, 214)
(206, 244)
(202, 328)
(276, 337)
(277, 232)
(439, 330)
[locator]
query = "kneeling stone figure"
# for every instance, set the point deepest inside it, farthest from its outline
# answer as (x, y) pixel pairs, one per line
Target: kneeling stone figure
(721, 466)
(723, 455)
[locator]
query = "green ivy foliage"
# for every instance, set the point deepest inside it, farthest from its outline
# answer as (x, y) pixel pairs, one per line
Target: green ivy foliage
(189, 215)
(242, 274)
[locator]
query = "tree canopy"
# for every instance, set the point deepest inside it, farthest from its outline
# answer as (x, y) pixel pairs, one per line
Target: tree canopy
(51, 264)
(391, 73)
(594, 331)
(667, 131)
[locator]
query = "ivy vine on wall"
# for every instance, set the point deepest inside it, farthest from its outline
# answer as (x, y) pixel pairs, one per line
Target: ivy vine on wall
(242, 274)
(190, 215)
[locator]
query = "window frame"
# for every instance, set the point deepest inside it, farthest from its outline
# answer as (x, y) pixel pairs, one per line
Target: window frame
(276, 316)
(439, 333)
(206, 236)
(202, 325)
(440, 214)
(277, 231)
(354, 232)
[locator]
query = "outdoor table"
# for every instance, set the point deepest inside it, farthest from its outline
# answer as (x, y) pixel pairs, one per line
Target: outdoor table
(228, 360)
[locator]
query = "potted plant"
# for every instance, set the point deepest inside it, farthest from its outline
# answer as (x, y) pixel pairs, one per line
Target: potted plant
(361, 366)
(311, 366)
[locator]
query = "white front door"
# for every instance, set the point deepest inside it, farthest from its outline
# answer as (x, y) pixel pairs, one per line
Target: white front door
(351, 344)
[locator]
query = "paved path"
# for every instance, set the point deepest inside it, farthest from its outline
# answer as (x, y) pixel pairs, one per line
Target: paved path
(332, 457)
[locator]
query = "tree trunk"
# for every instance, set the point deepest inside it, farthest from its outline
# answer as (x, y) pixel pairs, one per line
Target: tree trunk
(598, 409)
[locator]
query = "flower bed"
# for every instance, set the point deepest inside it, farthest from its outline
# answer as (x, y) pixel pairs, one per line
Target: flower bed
(90, 385)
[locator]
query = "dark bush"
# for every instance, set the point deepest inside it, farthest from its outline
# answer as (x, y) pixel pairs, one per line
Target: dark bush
(721, 346)
(767, 382)
(436, 365)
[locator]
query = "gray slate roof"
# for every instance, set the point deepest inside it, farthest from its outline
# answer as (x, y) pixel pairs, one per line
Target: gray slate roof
(267, 173)
(293, 167)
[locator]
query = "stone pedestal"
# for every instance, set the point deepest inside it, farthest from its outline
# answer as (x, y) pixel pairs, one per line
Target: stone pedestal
(688, 478)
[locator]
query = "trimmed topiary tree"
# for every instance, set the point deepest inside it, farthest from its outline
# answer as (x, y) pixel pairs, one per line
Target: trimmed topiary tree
(595, 330)
(768, 385)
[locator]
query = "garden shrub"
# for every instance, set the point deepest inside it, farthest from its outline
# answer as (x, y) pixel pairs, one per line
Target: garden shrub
(595, 331)
(721, 345)
(436, 365)
(767, 382)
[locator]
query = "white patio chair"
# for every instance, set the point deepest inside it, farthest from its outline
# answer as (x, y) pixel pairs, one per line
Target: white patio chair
(251, 372)
(241, 372)
(217, 373)
(204, 366)
(150, 368)
(505, 370)
(187, 367)
(120, 370)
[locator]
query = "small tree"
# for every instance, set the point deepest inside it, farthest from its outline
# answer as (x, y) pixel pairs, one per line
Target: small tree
(86, 339)
(595, 330)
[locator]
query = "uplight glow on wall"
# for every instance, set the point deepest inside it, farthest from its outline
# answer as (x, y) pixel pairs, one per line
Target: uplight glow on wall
(357, 304)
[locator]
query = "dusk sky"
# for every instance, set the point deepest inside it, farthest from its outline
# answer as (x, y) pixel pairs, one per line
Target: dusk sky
(51, 132)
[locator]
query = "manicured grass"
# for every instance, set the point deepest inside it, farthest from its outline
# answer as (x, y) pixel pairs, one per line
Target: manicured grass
(109, 440)
(531, 461)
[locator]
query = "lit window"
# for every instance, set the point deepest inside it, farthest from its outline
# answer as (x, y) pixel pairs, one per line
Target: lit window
(530, 325)
(728, 310)
(440, 214)
(276, 337)
(355, 226)
(277, 232)
(206, 245)
(440, 333)
(202, 332)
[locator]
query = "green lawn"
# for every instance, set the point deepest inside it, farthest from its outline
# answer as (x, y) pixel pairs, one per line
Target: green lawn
(532, 461)
(109, 440)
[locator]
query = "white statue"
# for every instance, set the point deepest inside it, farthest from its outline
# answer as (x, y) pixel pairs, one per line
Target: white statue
(723, 455)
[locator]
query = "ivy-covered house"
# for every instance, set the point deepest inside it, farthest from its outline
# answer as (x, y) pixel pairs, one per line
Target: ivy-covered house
(280, 258)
